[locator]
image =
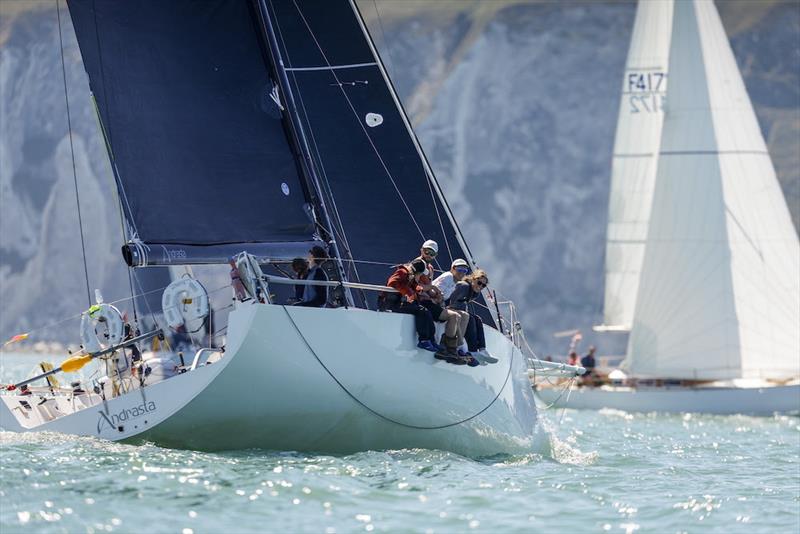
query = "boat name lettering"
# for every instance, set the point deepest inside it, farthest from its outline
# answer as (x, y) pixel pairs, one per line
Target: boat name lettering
(114, 420)
(174, 254)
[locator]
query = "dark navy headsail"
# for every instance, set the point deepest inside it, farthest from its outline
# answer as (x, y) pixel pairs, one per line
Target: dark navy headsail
(377, 186)
(198, 143)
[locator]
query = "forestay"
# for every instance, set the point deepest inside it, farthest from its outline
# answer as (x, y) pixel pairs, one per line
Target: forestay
(197, 142)
(641, 114)
(719, 295)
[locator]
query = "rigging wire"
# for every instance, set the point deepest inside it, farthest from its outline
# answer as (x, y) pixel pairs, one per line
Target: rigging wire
(72, 152)
(323, 186)
(355, 114)
(383, 35)
(121, 195)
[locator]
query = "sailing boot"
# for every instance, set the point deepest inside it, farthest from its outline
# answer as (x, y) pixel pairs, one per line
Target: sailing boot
(451, 348)
(441, 354)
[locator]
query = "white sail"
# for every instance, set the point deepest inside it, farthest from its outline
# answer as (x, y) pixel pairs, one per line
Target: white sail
(644, 86)
(719, 293)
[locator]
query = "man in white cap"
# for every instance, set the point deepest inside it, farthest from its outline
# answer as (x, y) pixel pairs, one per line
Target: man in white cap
(429, 250)
(446, 282)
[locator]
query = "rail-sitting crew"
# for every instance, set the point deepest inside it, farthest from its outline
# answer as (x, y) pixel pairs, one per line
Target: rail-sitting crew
(465, 291)
(446, 282)
(474, 335)
(405, 280)
(430, 297)
(315, 296)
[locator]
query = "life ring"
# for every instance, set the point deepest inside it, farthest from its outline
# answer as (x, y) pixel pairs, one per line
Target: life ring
(184, 300)
(104, 314)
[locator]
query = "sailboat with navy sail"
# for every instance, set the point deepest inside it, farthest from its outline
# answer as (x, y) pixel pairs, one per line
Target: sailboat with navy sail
(702, 259)
(256, 131)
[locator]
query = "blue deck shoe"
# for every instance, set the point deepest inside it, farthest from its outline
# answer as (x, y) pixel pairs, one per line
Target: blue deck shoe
(427, 345)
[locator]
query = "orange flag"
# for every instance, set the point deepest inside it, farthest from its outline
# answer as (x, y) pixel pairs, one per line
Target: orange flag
(18, 337)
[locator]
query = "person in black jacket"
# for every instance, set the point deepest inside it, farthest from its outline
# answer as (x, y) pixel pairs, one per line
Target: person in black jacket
(315, 296)
(300, 268)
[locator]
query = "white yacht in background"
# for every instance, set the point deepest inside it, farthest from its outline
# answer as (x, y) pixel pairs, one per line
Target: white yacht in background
(702, 259)
(257, 130)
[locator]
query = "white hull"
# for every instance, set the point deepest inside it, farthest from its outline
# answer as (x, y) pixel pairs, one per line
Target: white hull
(711, 400)
(273, 392)
(117, 419)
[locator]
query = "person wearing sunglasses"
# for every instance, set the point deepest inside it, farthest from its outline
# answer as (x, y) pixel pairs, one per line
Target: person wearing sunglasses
(429, 250)
(466, 291)
(446, 282)
(427, 253)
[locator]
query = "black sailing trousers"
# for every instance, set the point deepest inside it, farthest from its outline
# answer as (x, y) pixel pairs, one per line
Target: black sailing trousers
(474, 335)
(422, 319)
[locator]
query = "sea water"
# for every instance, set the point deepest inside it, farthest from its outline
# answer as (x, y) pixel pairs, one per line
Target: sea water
(609, 471)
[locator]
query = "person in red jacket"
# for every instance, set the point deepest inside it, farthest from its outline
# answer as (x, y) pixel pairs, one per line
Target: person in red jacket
(405, 280)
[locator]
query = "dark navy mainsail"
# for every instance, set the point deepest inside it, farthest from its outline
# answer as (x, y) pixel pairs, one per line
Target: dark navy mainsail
(198, 144)
(259, 126)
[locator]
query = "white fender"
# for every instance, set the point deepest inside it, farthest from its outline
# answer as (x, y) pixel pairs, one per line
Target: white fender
(184, 300)
(107, 315)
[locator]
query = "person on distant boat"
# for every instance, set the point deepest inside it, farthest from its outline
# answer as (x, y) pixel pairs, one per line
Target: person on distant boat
(465, 292)
(315, 296)
(405, 280)
(572, 359)
(588, 363)
(300, 269)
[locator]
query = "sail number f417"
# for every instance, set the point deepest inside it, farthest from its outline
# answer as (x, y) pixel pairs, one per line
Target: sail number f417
(646, 90)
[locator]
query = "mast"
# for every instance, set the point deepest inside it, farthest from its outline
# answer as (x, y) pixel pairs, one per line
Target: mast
(301, 141)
